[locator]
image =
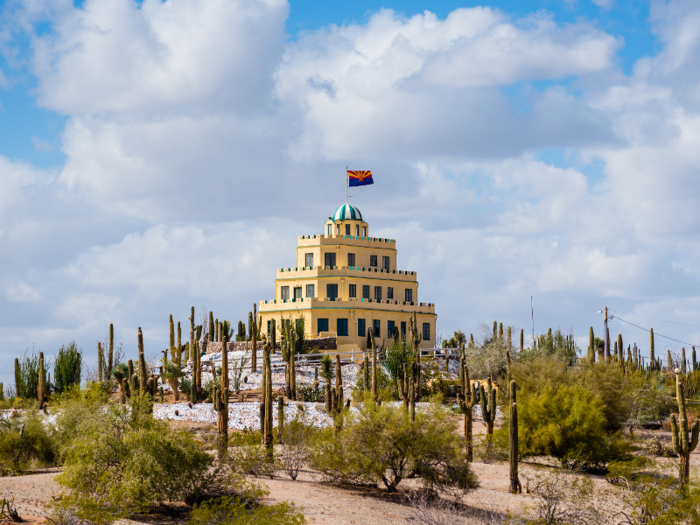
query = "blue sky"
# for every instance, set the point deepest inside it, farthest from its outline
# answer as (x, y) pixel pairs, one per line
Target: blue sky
(159, 155)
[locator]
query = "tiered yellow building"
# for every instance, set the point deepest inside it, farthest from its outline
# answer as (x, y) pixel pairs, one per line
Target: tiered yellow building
(346, 282)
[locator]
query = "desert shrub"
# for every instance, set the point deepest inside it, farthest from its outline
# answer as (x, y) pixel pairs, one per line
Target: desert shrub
(488, 357)
(234, 511)
(121, 461)
(25, 441)
(569, 424)
(27, 380)
(489, 449)
(563, 498)
(296, 438)
(649, 400)
(381, 443)
(553, 344)
(252, 459)
(67, 367)
(76, 406)
(310, 393)
(650, 495)
(396, 356)
(536, 374)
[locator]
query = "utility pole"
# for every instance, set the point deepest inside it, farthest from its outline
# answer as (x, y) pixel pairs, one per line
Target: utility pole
(607, 337)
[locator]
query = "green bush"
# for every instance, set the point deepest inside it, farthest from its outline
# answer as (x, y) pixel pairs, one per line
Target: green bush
(381, 443)
(234, 511)
(26, 441)
(68, 367)
(651, 496)
(120, 462)
(569, 424)
(27, 377)
(397, 356)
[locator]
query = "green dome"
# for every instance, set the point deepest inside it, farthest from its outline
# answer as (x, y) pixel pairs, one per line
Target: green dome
(347, 213)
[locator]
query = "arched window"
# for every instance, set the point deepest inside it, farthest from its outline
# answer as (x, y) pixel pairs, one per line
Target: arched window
(357, 230)
(364, 231)
(337, 229)
(330, 231)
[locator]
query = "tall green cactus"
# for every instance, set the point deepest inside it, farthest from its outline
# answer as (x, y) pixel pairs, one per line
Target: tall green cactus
(373, 346)
(42, 390)
(591, 346)
(495, 331)
(695, 360)
(172, 339)
(338, 380)
(488, 405)
(280, 418)
(143, 375)
(522, 340)
(515, 486)
(365, 373)
(670, 361)
(100, 363)
(415, 338)
(211, 333)
(220, 402)
(651, 347)
(467, 399)
(268, 399)
(683, 442)
(110, 351)
(253, 342)
(402, 386)
(2, 392)
(17, 376)
(683, 361)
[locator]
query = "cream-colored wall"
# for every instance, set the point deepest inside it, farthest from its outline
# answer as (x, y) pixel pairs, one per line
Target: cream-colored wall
(344, 283)
(311, 317)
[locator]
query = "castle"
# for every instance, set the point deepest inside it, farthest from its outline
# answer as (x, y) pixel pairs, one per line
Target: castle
(346, 282)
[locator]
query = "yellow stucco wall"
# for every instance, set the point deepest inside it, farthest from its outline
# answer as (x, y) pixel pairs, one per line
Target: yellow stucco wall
(384, 276)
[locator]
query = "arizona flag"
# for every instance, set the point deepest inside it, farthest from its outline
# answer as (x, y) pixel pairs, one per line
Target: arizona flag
(360, 178)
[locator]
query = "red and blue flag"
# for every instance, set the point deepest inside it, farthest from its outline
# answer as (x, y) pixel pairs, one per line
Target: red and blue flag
(360, 178)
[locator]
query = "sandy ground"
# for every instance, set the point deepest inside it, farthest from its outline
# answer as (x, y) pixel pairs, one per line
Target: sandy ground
(323, 503)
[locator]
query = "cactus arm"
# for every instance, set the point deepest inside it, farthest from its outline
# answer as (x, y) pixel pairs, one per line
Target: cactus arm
(694, 436)
(674, 435)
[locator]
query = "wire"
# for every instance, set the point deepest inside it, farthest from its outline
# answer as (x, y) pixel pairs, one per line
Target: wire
(654, 319)
(655, 333)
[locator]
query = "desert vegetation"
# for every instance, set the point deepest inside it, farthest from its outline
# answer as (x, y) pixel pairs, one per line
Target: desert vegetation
(422, 427)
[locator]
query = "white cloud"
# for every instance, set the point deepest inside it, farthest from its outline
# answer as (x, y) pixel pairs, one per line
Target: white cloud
(199, 145)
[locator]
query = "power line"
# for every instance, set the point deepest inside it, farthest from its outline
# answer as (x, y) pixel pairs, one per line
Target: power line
(654, 319)
(655, 333)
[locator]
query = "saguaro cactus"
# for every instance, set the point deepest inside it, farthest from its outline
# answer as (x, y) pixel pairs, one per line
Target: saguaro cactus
(220, 401)
(100, 362)
(268, 399)
(252, 323)
(402, 386)
(41, 390)
(683, 441)
(466, 400)
(670, 361)
(591, 346)
(683, 361)
(515, 486)
(651, 346)
(375, 393)
(415, 338)
(17, 374)
(280, 418)
(365, 373)
(338, 380)
(143, 376)
(695, 361)
(488, 405)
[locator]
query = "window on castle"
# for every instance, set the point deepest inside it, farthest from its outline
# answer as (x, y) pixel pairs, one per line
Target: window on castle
(284, 293)
(357, 230)
(389, 293)
(322, 325)
(403, 329)
(352, 290)
(390, 327)
(373, 260)
(409, 295)
(297, 292)
(378, 293)
(365, 291)
(329, 259)
(385, 263)
(426, 331)
(310, 290)
(330, 230)
(342, 327)
(375, 328)
(309, 260)
(351, 259)
(332, 291)
(347, 229)
(361, 328)
(364, 231)
(337, 229)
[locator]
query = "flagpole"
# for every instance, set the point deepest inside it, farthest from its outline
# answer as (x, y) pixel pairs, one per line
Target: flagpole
(346, 184)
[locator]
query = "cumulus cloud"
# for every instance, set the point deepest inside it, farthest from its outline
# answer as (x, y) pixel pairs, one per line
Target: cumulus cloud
(200, 143)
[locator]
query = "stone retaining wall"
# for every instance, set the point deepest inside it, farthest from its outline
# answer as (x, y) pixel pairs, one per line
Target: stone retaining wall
(323, 343)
